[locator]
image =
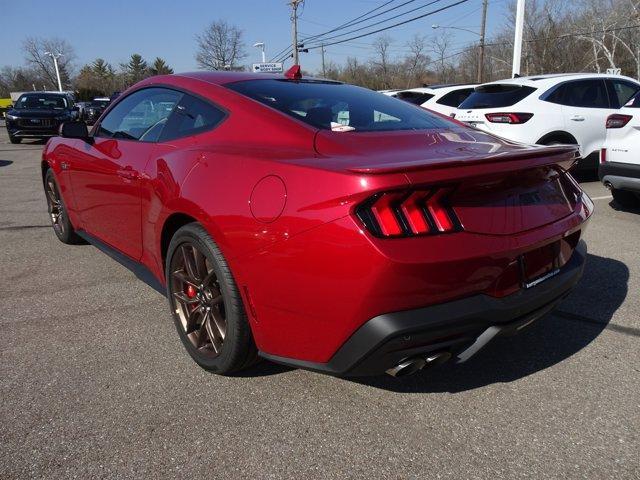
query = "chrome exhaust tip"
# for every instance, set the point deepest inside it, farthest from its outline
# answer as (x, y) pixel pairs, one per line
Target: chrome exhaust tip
(407, 367)
(437, 358)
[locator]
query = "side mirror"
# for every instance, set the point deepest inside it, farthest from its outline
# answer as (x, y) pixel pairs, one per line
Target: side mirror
(74, 130)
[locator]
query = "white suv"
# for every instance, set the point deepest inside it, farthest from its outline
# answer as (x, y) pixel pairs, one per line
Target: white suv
(443, 99)
(550, 109)
(620, 159)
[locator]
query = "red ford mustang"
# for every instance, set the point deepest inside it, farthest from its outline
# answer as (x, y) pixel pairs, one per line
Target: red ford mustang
(318, 224)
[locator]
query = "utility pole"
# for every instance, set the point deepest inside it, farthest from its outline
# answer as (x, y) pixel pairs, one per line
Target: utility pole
(324, 74)
(55, 57)
(294, 29)
(517, 42)
(483, 27)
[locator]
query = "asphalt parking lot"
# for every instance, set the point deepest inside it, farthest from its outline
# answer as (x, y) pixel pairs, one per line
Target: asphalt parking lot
(95, 383)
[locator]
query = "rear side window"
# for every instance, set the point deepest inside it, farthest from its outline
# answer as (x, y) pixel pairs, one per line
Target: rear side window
(141, 115)
(417, 98)
(192, 116)
(338, 107)
(622, 91)
(581, 93)
(496, 96)
(455, 98)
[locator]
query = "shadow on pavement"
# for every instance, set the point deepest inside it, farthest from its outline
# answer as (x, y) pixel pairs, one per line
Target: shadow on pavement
(576, 323)
(5, 163)
(621, 208)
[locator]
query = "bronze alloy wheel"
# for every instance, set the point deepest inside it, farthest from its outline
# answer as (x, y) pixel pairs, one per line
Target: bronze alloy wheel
(56, 207)
(197, 299)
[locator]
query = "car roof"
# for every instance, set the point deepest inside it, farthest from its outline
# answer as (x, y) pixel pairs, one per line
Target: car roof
(222, 78)
(547, 80)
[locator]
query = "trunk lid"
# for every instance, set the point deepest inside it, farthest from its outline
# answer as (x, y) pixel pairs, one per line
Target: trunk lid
(499, 188)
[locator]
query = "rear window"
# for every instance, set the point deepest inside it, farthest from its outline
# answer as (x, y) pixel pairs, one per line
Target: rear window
(497, 96)
(634, 102)
(417, 98)
(338, 107)
(455, 98)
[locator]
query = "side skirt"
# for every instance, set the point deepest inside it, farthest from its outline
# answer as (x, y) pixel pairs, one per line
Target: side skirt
(138, 269)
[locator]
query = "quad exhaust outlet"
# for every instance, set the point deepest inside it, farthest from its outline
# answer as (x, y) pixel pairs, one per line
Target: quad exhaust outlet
(412, 365)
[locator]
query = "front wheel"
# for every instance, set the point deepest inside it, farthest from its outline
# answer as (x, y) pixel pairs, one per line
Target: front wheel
(58, 212)
(206, 304)
(14, 140)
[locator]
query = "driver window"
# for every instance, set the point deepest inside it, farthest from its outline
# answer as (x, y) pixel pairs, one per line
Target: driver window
(141, 115)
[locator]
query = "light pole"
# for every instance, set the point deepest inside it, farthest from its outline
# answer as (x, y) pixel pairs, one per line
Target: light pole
(261, 46)
(55, 57)
(517, 41)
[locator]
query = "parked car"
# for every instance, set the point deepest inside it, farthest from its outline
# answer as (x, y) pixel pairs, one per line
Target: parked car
(443, 99)
(620, 159)
(94, 109)
(550, 109)
(393, 240)
(39, 115)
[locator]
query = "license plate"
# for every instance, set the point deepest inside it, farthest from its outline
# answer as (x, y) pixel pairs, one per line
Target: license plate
(35, 120)
(540, 264)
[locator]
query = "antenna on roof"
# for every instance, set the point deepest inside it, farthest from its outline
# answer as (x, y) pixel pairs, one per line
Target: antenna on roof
(294, 73)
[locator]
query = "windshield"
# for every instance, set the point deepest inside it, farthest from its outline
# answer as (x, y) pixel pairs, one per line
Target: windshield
(99, 103)
(42, 101)
(496, 96)
(338, 107)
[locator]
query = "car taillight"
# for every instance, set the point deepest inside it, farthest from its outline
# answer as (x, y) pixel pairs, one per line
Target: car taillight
(618, 120)
(603, 155)
(512, 118)
(409, 212)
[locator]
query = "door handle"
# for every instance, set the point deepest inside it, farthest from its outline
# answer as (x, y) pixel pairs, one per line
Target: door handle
(128, 173)
(577, 118)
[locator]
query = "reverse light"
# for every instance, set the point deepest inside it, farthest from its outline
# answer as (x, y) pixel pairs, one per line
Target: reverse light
(618, 120)
(409, 213)
(603, 155)
(511, 118)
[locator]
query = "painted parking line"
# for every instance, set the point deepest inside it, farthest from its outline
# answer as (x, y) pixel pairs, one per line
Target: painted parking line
(602, 198)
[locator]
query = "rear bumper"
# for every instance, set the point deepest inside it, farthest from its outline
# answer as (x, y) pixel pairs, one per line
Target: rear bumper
(460, 327)
(623, 176)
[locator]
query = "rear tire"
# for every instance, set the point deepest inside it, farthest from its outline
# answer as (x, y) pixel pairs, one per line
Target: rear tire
(205, 303)
(14, 140)
(58, 212)
(625, 198)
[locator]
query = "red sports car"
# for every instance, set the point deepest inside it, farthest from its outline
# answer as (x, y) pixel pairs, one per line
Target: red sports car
(318, 224)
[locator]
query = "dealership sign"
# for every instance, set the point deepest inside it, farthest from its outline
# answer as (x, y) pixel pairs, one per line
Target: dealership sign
(268, 67)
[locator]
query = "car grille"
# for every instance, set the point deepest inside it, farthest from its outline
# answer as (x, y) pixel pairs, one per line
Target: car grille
(35, 122)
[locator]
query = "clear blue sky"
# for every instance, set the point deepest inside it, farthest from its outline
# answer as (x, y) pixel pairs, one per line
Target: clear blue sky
(115, 29)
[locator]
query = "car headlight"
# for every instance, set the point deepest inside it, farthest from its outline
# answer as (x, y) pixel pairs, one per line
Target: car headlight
(10, 117)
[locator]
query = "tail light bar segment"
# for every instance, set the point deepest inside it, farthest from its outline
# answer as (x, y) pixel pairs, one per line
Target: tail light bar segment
(408, 213)
(618, 120)
(511, 118)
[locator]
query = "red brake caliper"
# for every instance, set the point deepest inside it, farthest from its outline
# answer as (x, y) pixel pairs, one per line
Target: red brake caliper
(191, 291)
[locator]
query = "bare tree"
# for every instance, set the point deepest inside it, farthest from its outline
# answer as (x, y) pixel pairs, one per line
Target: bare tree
(441, 49)
(416, 60)
(220, 47)
(34, 49)
(382, 60)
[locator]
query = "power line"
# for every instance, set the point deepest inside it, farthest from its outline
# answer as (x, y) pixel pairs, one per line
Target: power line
(383, 20)
(441, 9)
(287, 50)
(385, 28)
(321, 37)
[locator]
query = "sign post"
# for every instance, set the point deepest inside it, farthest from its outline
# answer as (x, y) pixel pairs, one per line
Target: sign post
(274, 67)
